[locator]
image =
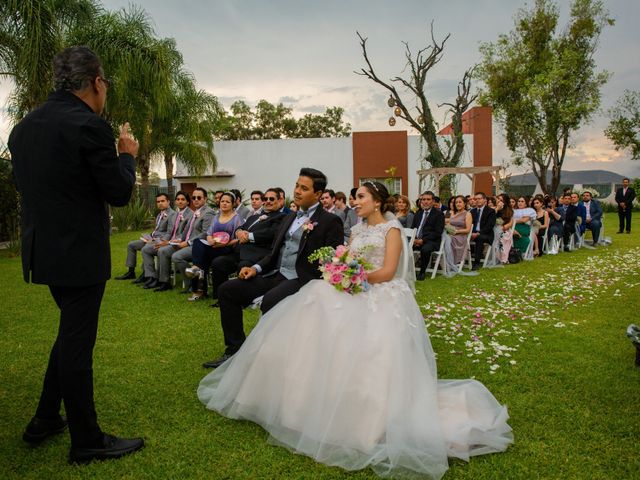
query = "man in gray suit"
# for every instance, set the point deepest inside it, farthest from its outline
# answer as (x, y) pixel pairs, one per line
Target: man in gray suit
(194, 231)
(164, 250)
(163, 218)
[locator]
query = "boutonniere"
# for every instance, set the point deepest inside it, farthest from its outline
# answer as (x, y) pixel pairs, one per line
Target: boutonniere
(262, 217)
(196, 213)
(308, 226)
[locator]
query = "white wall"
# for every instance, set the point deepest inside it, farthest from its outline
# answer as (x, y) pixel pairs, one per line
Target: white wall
(260, 164)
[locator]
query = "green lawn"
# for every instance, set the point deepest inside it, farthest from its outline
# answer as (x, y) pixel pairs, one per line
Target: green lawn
(546, 337)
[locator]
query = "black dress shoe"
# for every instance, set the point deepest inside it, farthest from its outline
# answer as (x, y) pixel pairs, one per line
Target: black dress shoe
(475, 266)
(39, 429)
(619, 231)
(113, 447)
(162, 287)
(216, 363)
(215, 305)
(140, 279)
(420, 276)
(150, 283)
(127, 276)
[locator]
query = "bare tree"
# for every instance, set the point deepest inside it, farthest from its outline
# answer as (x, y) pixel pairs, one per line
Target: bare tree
(446, 153)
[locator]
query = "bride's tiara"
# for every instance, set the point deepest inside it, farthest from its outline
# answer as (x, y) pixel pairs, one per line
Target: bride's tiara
(373, 185)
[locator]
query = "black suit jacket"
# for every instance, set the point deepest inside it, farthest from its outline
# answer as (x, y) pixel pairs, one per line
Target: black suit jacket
(487, 221)
(67, 170)
(327, 231)
(264, 231)
(433, 226)
(628, 198)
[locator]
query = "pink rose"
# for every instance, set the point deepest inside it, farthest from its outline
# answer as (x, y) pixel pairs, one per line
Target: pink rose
(336, 278)
(340, 250)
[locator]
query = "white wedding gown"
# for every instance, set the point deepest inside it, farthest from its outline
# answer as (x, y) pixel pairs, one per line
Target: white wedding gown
(351, 381)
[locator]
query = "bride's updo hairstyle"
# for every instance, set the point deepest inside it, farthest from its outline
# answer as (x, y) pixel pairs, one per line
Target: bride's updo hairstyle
(380, 193)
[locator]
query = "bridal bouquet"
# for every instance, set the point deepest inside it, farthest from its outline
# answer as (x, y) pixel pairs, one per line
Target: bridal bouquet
(345, 270)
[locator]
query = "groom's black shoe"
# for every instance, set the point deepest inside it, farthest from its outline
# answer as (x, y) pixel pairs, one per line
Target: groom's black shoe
(216, 363)
(113, 447)
(420, 276)
(39, 429)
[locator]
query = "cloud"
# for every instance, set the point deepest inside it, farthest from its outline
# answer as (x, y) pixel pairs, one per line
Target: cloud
(288, 99)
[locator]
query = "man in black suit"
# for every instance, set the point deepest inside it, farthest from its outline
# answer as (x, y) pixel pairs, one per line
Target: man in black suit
(484, 220)
(429, 223)
(569, 214)
(64, 152)
(624, 199)
(254, 241)
(287, 267)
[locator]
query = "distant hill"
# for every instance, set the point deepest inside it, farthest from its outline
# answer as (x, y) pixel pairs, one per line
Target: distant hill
(583, 177)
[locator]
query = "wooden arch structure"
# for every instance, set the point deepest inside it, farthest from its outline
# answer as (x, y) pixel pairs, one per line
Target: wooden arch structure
(471, 172)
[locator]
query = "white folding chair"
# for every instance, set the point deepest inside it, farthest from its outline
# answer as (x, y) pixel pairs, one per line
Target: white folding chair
(440, 264)
(528, 255)
(409, 235)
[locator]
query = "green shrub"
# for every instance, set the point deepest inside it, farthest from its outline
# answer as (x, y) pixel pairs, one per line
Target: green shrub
(135, 216)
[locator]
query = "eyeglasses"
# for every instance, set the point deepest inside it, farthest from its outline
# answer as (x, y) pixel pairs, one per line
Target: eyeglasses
(269, 199)
(196, 197)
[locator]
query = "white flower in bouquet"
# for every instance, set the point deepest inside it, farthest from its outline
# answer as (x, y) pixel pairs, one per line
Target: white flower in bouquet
(450, 229)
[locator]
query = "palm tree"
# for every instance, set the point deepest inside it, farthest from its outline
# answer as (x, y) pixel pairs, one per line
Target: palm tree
(31, 33)
(186, 128)
(142, 68)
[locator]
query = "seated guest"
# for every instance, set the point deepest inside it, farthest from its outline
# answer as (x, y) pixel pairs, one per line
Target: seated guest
(403, 211)
(484, 220)
(341, 203)
(582, 212)
(351, 218)
(569, 214)
(471, 202)
(293, 207)
(504, 222)
(491, 202)
(227, 221)
(328, 201)
(216, 201)
(449, 210)
(542, 219)
(164, 250)
(150, 250)
(240, 207)
(437, 203)
(512, 203)
(193, 232)
(462, 221)
(523, 216)
(556, 220)
(254, 242)
(164, 223)
(282, 198)
(593, 212)
(429, 223)
(256, 202)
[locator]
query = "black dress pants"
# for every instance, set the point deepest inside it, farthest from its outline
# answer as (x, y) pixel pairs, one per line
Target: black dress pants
(480, 241)
(426, 249)
(237, 294)
(69, 375)
(625, 217)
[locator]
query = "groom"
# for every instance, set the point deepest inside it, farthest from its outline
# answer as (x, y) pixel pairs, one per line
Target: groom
(287, 268)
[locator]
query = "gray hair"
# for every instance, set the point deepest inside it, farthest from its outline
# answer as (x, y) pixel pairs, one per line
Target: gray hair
(75, 68)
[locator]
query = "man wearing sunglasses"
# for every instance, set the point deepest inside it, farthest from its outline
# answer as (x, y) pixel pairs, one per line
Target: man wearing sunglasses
(64, 152)
(254, 241)
(194, 231)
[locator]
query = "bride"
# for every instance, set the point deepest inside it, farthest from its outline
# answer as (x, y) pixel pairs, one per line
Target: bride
(350, 380)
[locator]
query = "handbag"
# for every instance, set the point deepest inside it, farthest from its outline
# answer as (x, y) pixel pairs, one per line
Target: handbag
(515, 255)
